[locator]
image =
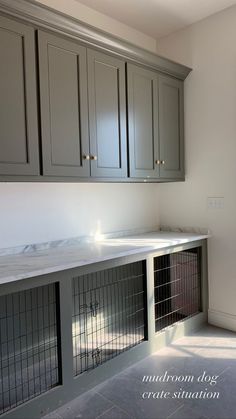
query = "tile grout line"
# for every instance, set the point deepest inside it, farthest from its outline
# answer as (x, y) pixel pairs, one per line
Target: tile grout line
(105, 411)
(137, 380)
(176, 410)
(131, 416)
(226, 369)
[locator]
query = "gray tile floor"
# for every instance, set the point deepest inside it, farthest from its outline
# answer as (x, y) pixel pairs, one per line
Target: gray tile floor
(210, 351)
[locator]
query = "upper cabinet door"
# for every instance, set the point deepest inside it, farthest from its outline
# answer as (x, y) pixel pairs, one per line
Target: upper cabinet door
(143, 122)
(171, 128)
(18, 103)
(64, 113)
(107, 115)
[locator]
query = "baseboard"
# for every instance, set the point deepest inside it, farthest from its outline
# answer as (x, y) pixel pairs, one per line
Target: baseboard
(220, 319)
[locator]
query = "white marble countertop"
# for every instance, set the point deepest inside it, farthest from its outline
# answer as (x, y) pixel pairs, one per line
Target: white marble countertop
(27, 264)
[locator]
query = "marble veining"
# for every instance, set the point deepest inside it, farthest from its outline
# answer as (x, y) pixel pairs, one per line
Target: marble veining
(196, 230)
(71, 241)
(97, 237)
(72, 254)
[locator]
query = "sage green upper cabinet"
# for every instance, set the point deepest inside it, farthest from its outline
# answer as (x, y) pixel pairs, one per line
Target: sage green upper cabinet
(18, 103)
(107, 115)
(64, 113)
(171, 112)
(143, 122)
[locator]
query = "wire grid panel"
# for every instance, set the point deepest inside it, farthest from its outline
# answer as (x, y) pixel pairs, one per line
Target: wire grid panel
(177, 284)
(109, 314)
(29, 345)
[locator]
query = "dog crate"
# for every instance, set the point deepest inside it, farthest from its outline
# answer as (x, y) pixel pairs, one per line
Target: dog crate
(70, 323)
(109, 314)
(177, 287)
(29, 361)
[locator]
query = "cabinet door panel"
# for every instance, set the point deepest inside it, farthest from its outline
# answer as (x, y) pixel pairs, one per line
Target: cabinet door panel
(107, 118)
(171, 127)
(18, 103)
(143, 122)
(64, 114)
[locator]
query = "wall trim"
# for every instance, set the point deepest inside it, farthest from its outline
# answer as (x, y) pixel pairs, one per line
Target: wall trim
(46, 17)
(221, 319)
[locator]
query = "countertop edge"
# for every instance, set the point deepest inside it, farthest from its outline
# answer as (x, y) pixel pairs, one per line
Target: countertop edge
(140, 251)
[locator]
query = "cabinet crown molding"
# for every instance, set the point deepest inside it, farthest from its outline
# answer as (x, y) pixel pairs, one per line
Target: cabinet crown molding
(45, 17)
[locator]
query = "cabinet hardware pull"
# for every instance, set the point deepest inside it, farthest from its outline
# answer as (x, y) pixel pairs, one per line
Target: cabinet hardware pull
(93, 157)
(86, 157)
(163, 162)
(158, 162)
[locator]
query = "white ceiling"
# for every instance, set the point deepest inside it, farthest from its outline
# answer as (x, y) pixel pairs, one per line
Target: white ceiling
(158, 18)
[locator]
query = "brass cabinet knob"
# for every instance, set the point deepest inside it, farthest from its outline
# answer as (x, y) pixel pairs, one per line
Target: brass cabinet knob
(86, 157)
(163, 162)
(158, 162)
(93, 157)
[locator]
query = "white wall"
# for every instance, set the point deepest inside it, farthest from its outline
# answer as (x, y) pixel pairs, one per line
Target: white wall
(210, 130)
(101, 21)
(36, 212)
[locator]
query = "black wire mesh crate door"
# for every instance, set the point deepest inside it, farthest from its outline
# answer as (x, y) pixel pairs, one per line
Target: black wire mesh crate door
(177, 286)
(109, 314)
(29, 345)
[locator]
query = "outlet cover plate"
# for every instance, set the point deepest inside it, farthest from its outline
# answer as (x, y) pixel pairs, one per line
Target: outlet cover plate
(215, 203)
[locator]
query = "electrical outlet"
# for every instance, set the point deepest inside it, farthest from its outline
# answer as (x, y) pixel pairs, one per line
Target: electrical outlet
(215, 203)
